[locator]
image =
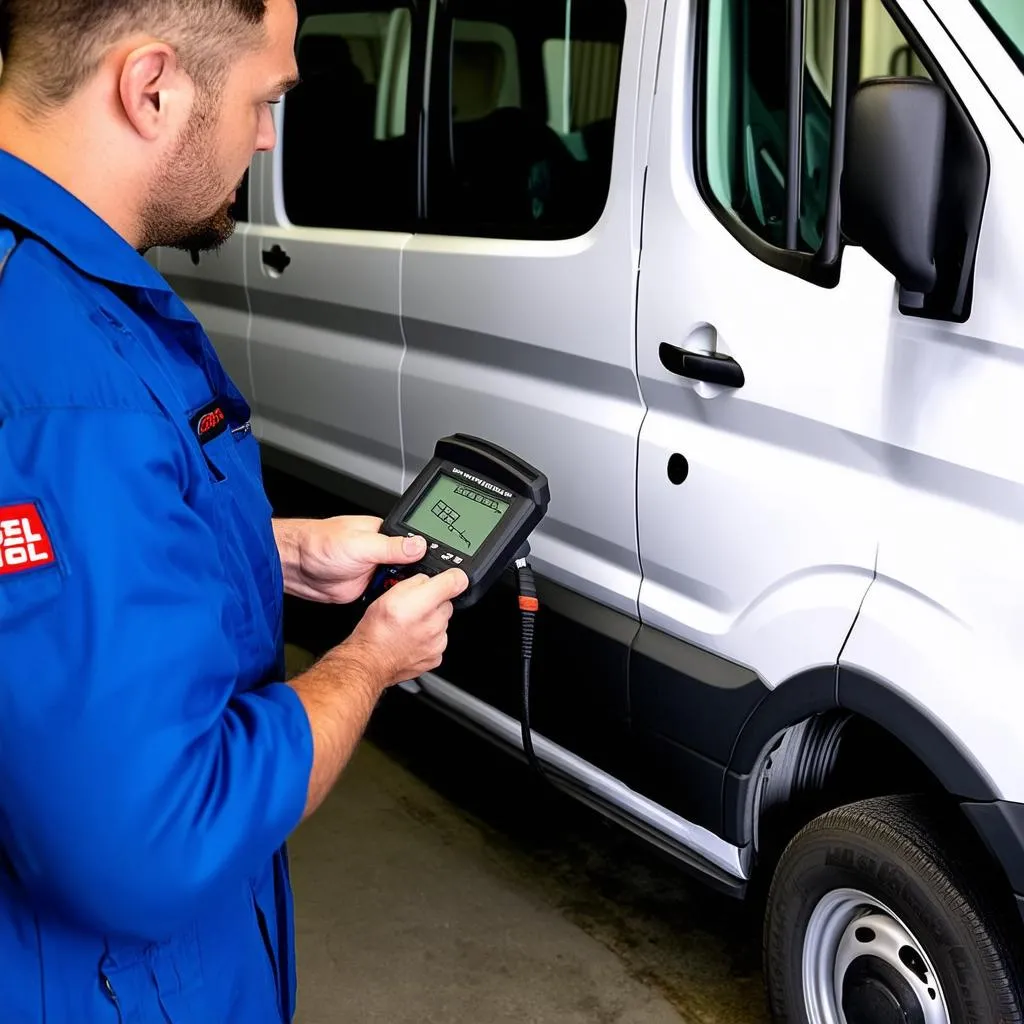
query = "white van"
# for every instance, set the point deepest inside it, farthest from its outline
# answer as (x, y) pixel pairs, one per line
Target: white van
(745, 279)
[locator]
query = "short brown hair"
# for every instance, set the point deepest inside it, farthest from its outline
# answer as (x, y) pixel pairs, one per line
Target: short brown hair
(52, 47)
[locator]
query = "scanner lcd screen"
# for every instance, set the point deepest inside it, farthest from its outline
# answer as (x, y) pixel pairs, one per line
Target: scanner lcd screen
(457, 514)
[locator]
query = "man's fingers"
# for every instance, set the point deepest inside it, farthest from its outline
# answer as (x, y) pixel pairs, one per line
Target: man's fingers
(411, 583)
(420, 594)
(442, 617)
(448, 585)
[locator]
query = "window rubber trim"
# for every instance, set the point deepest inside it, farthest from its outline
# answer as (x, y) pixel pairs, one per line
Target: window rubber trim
(842, 86)
(795, 120)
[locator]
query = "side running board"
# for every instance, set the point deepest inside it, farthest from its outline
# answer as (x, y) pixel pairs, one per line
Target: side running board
(717, 862)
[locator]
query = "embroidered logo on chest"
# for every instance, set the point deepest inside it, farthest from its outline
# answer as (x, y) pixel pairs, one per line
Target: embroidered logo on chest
(210, 422)
(24, 542)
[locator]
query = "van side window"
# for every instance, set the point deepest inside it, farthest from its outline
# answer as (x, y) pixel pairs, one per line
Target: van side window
(746, 149)
(745, 142)
(349, 159)
(525, 95)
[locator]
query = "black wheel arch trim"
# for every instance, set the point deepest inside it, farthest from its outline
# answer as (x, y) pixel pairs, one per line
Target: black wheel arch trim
(874, 699)
(809, 693)
(837, 690)
(998, 823)
(812, 692)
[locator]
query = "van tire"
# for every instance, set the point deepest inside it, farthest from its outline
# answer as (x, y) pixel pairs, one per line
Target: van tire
(914, 863)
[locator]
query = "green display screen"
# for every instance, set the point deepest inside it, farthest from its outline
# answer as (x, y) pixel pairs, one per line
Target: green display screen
(457, 514)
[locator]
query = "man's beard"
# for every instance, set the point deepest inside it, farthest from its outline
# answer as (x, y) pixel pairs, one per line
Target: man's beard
(189, 182)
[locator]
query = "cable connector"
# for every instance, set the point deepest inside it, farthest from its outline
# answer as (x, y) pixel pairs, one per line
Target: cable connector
(528, 601)
(529, 605)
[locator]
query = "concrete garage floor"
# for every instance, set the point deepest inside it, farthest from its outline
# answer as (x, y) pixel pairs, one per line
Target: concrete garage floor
(443, 884)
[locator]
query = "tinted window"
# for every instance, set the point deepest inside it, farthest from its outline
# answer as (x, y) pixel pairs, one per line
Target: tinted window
(523, 144)
(348, 157)
(746, 148)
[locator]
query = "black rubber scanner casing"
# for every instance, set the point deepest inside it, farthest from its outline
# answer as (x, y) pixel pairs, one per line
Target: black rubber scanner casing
(491, 464)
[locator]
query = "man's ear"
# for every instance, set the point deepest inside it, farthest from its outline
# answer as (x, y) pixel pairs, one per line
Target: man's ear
(155, 91)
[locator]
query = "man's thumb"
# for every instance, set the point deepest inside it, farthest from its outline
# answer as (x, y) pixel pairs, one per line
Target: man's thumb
(408, 549)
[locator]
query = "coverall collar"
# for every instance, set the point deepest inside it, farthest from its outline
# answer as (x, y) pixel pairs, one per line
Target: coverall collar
(38, 205)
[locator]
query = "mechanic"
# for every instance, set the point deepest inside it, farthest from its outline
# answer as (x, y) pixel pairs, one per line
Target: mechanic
(153, 762)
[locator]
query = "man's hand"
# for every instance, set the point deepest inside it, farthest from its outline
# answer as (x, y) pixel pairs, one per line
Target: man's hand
(405, 631)
(332, 561)
(403, 634)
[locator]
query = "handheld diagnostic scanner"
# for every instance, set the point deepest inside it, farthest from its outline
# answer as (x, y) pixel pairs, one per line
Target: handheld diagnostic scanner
(476, 504)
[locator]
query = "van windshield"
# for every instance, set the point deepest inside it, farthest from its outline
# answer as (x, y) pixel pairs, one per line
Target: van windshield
(1007, 19)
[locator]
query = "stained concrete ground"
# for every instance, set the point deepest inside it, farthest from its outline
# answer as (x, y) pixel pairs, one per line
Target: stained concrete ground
(442, 883)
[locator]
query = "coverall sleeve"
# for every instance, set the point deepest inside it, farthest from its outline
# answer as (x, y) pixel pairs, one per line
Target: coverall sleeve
(133, 781)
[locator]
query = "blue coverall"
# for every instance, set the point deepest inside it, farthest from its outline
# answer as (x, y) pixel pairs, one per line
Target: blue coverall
(152, 761)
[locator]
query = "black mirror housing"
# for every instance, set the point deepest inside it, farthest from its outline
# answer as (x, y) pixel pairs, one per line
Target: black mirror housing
(913, 190)
(893, 175)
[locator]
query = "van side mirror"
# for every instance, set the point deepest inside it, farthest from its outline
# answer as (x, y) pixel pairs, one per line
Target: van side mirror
(915, 175)
(892, 178)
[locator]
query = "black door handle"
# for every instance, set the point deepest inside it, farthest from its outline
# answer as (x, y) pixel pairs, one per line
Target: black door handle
(709, 367)
(277, 259)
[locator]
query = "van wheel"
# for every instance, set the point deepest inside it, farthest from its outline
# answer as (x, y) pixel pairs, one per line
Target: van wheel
(874, 918)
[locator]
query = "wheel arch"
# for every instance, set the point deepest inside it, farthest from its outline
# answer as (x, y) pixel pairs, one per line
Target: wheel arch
(834, 735)
(876, 700)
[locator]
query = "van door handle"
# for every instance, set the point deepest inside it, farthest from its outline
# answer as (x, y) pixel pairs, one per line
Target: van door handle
(710, 367)
(277, 259)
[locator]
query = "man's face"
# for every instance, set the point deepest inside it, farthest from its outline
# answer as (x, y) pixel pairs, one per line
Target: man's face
(194, 190)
